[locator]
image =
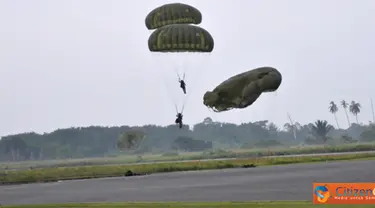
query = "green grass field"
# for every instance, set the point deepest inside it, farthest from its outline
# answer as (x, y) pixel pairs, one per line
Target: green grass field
(231, 153)
(286, 204)
(85, 172)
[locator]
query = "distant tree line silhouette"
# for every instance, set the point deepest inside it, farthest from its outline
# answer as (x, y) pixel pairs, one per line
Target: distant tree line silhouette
(96, 141)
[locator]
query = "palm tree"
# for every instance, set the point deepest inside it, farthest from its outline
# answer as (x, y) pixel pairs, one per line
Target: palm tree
(333, 109)
(355, 109)
(320, 129)
(345, 105)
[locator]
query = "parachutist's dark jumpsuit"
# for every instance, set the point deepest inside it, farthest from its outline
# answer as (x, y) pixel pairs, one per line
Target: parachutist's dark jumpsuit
(183, 86)
(179, 120)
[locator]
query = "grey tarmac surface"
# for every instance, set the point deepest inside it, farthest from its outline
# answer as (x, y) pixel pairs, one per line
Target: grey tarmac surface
(286, 182)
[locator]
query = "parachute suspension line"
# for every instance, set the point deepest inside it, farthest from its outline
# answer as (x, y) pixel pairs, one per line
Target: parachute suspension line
(193, 87)
(175, 67)
(186, 68)
(168, 88)
(181, 64)
(178, 75)
(175, 106)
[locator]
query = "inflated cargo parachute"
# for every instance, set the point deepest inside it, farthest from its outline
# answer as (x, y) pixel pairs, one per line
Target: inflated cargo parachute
(175, 13)
(242, 90)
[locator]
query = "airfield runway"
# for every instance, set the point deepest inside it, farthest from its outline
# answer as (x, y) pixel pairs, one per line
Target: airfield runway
(286, 182)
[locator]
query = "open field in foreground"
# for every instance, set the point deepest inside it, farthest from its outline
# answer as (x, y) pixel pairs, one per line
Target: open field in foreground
(174, 156)
(286, 204)
(86, 172)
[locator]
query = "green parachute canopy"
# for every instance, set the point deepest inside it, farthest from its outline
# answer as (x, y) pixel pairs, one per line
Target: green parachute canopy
(181, 38)
(242, 90)
(175, 13)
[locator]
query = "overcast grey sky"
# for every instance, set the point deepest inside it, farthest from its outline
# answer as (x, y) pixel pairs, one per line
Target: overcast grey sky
(70, 63)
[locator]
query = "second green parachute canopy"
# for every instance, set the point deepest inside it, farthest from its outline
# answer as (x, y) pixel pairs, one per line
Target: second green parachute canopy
(242, 90)
(175, 13)
(181, 38)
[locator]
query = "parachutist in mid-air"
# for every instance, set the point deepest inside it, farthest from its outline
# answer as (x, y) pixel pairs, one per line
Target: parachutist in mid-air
(179, 120)
(182, 85)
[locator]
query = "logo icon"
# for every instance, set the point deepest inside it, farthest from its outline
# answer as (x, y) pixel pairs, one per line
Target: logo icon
(322, 194)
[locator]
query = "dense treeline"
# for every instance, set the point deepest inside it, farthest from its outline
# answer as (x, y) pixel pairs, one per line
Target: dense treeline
(97, 141)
